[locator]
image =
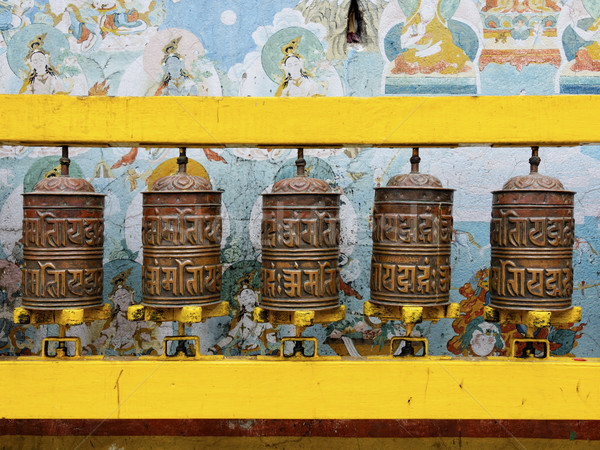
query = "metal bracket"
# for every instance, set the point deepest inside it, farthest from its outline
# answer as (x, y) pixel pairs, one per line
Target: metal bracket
(61, 352)
(412, 314)
(298, 351)
(408, 350)
(181, 354)
(181, 350)
(301, 319)
(529, 351)
(533, 319)
(71, 316)
(184, 314)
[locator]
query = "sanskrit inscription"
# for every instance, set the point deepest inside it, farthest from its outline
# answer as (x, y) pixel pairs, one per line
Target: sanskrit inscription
(508, 279)
(427, 278)
(49, 281)
(407, 229)
(511, 230)
(182, 277)
(48, 230)
(320, 229)
(320, 279)
(183, 227)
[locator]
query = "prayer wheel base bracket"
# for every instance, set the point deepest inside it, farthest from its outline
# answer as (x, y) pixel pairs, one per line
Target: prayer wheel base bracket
(301, 319)
(402, 347)
(408, 346)
(532, 319)
(184, 314)
(61, 351)
(70, 316)
(299, 352)
(182, 352)
(529, 350)
(412, 314)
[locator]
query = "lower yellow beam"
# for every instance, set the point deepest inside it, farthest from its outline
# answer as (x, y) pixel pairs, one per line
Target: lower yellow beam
(555, 389)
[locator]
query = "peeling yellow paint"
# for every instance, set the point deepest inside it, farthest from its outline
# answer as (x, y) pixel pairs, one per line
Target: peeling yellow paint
(273, 122)
(493, 388)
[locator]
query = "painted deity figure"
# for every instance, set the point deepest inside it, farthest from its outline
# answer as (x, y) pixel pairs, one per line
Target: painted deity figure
(176, 80)
(246, 336)
(99, 18)
(588, 57)
(481, 337)
(428, 44)
(119, 335)
(42, 77)
(111, 21)
(297, 81)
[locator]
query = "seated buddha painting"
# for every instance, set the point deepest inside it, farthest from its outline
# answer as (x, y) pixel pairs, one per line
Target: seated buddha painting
(432, 47)
(579, 32)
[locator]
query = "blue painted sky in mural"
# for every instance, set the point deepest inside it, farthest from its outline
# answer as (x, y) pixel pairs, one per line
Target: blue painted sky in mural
(225, 44)
(591, 150)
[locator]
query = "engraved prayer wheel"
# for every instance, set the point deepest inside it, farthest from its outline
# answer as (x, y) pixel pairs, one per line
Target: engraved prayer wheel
(181, 241)
(531, 235)
(412, 235)
(300, 245)
(63, 238)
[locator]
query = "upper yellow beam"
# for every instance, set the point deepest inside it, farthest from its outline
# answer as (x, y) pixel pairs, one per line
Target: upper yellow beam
(436, 388)
(294, 122)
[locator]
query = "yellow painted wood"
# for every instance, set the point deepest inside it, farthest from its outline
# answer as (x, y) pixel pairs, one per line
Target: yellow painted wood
(241, 389)
(292, 122)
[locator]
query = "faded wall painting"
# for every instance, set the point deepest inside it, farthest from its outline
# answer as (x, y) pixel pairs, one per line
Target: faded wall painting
(433, 46)
(299, 48)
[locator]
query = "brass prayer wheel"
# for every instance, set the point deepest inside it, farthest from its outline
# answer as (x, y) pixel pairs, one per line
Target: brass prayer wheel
(412, 235)
(300, 245)
(181, 241)
(531, 235)
(63, 238)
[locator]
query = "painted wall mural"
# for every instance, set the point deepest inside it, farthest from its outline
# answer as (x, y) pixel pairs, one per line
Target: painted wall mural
(287, 48)
(432, 46)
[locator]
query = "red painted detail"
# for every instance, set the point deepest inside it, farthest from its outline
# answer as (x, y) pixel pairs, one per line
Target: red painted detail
(546, 429)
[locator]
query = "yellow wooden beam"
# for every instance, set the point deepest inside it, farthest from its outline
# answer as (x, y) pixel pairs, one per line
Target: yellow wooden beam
(293, 122)
(435, 388)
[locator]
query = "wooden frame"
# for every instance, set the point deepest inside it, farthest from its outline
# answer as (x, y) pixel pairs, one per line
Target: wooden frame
(299, 122)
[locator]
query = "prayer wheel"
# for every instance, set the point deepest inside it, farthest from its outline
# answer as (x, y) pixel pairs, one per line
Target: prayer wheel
(412, 235)
(300, 245)
(181, 241)
(531, 235)
(63, 238)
